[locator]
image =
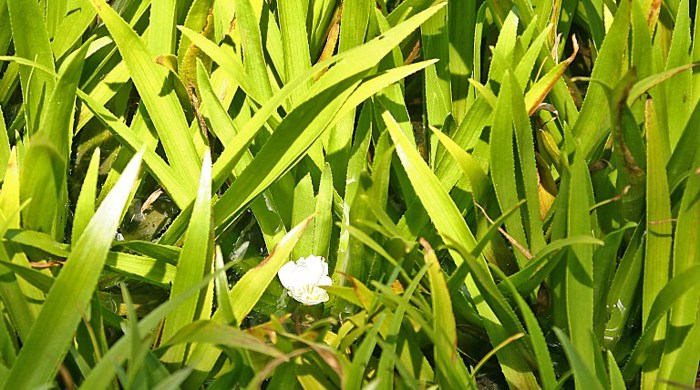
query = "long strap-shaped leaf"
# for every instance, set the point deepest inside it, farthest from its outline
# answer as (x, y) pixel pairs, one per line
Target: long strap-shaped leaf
(155, 164)
(31, 41)
(157, 91)
(47, 212)
(606, 69)
(16, 296)
(243, 297)
(192, 265)
(296, 134)
(70, 295)
(349, 64)
(449, 364)
(681, 363)
(251, 40)
(503, 163)
(454, 231)
(579, 273)
(103, 372)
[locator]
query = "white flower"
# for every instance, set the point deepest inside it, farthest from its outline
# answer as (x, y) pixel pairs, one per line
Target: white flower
(302, 278)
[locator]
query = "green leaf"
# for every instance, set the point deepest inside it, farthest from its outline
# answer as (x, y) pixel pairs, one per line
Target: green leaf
(211, 332)
(503, 163)
(72, 25)
(222, 290)
(617, 382)
(677, 363)
(47, 212)
(156, 88)
(85, 208)
(31, 41)
(323, 223)
(304, 205)
(449, 364)
(579, 273)
(15, 296)
(103, 372)
(675, 289)
(354, 62)
(251, 42)
(295, 42)
(154, 163)
(608, 69)
(392, 333)
(162, 27)
(678, 89)
(104, 91)
(245, 294)
(503, 52)
(659, 230)
(679, 164)
(5, 149)
(527, 279)
(194, 262)
(356, 373)
(32, 276)
(455, 233)
(438, 92)
(71, 293)
(581, 368)
(548, 378)
(623, 288)
(281, 152)
(230, 64)
(643, 86)
(462, 21)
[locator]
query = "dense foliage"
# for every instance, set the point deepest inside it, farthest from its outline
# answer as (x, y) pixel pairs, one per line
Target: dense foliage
(506, 192)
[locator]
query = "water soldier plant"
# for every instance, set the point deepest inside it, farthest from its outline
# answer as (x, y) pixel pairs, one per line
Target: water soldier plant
(319, 194)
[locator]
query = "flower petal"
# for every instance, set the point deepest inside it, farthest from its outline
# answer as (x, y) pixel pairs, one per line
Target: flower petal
(315, 267)
(302, 278)
(286, 274)
(325, 281)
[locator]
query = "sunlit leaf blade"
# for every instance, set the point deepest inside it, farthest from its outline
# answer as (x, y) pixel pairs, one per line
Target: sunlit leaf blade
(657, 257)
(154, 163)
(194, 262)
(454, 231)
(579, 274)
(31, 41)
(503, 169)
(85, 208)
(18, 305)
(46, 212)
(607, 69)
(245, 294)
(680, 363)
(5, 148)
(292, 15)
(581, 369)
(73, 23)
(156, 88)
(251, 41)
(213, 333)
(68, 299)
(451, 369)
(547, 150)
(290, 138)
(104, 371)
